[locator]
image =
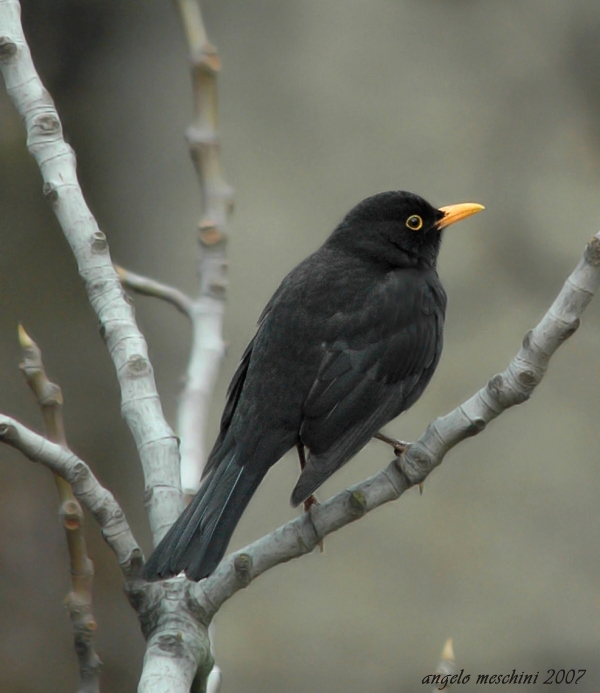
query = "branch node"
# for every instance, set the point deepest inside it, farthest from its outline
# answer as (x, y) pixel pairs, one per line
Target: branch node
(415, 463)
(528, 379)
(357, 503)
(475, 425)
(80, 469)
(207, 58)
(172, 643)
(7, 431)
(496, 389)
(136, 559)
(50, 193)
(52, 396)
(569, 330)
(46, 124)
(71, 514)
(242, 566)
(592, 251)
(138, 366)
(217, 289)
(8, 49)
(99, 244)
(209, 234)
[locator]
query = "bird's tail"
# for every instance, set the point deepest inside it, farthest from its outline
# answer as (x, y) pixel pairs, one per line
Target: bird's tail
(198, 540)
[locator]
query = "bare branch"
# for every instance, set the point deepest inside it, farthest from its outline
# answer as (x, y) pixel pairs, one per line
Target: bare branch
(79, 599)
(513, 386)
(446, 666)
(88, 490)
(207, 347)
(151, 287)
(140, 405)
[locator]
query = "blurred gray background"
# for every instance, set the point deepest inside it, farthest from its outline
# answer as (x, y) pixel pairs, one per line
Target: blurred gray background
(324, 102)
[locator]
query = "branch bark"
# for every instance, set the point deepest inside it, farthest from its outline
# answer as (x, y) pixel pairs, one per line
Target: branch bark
(150, 287)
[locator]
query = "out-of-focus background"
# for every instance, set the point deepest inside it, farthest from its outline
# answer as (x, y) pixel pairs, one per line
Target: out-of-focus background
(322, 104)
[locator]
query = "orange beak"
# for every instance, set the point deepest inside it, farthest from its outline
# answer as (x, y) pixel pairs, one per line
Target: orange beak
(454, 213)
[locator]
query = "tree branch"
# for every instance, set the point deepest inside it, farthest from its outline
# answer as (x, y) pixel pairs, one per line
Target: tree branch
(88, 490)
(140, 405)
(446, 666)
(150, 287)
(512, 386)
(79, 600)
(207, 348)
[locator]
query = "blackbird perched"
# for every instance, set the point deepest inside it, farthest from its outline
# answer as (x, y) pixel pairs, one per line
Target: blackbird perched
(349, 340)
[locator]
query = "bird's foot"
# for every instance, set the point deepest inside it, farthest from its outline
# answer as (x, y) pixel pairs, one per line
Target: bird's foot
(398, 445)
(308, 504)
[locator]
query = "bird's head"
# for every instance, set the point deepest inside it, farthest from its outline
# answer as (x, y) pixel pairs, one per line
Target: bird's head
(397, 228)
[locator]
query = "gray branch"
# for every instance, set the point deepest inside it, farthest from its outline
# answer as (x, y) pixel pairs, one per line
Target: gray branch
(87, 489)
(207, 348)
(150, 287)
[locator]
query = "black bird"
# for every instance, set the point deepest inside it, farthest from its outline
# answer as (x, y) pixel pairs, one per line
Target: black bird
(349, 340)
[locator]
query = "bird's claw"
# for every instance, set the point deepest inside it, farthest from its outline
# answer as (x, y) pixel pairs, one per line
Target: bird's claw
(309, 502)
(399, 445)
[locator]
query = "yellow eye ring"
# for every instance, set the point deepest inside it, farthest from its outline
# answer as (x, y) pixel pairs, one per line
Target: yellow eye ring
(414, 222)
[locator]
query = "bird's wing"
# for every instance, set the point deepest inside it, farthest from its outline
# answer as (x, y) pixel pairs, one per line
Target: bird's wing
(226, 440)
(375, 366)
(221, 448)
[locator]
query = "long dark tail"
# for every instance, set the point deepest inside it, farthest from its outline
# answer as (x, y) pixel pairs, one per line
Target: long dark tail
(198, 540)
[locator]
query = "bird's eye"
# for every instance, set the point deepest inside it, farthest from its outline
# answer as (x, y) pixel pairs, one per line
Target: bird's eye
(414, 222)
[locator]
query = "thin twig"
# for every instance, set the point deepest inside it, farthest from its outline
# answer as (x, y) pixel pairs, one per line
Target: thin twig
(150, 287)
(207, 348)
(445, 668)
(514, 386)
(87, 489)
(79, 600)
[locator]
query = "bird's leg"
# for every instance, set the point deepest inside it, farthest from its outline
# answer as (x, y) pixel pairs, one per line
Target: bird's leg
(399, 448)
(311, 500)
(398, 445)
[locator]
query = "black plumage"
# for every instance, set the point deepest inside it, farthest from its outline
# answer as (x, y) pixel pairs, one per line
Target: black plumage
(348, 341)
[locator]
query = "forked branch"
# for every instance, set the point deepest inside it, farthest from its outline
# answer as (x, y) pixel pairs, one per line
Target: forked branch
(140, 404)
